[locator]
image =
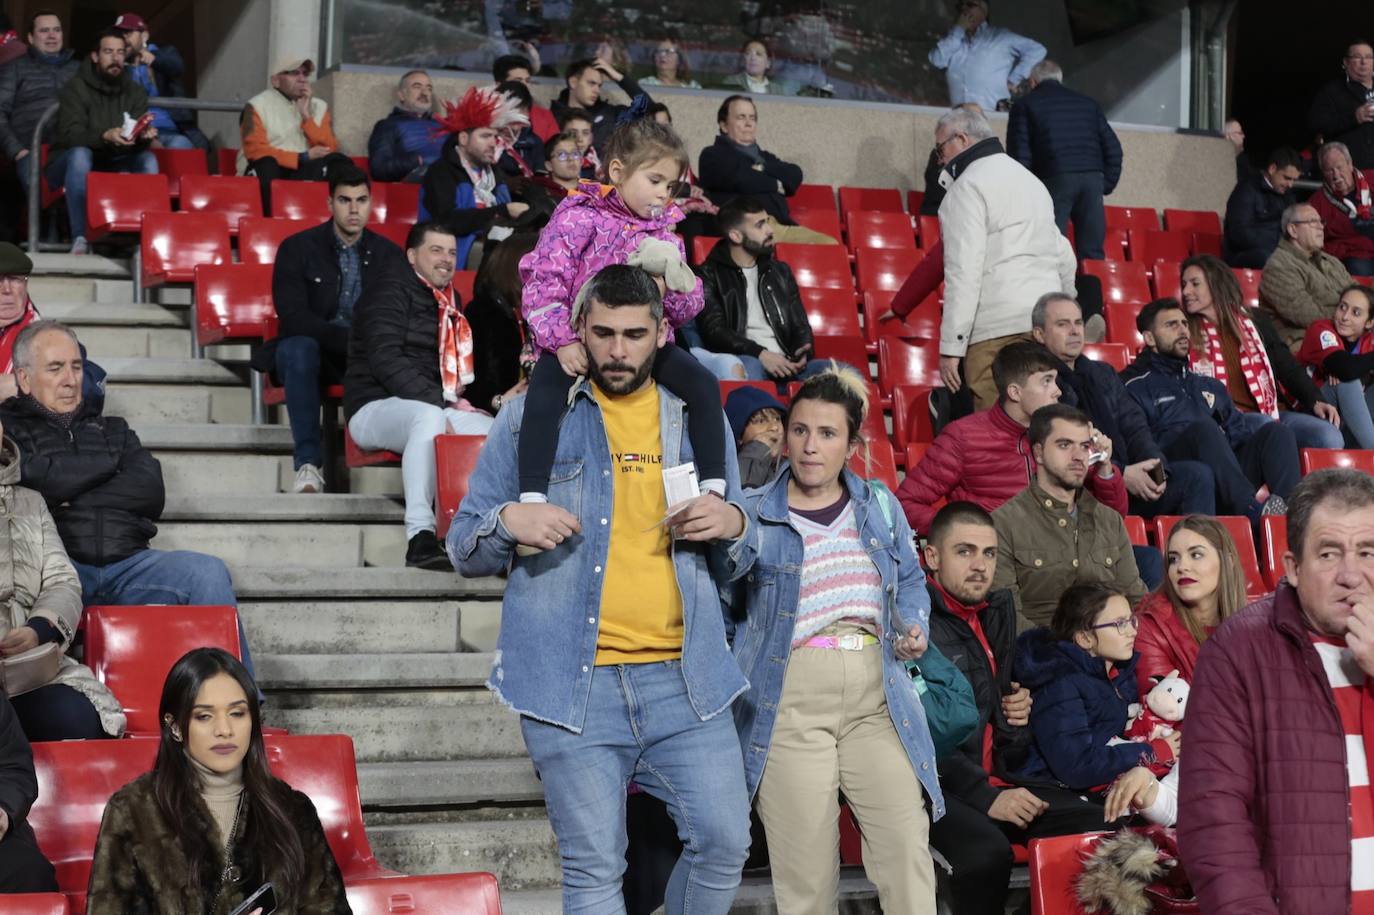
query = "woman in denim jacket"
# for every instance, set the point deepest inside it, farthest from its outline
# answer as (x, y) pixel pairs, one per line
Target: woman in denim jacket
(835, 602)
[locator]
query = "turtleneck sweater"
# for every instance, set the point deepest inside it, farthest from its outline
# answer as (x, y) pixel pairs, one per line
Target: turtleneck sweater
(221, 795)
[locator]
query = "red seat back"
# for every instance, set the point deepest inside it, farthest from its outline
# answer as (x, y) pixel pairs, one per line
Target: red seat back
(1135, 529)
(301, 200)
(846, 349)
(911, 414)
(1249, 285)
(174, 244)
(1150, 245)
(455, 458)
(403, 203)
(823, 220)
(36, 904)
(1122, 281)
(116, 202)
(1113, 244)
(915, 451)
(923, 322)
(885, 268)
(260, 237)
(1054, 868)
(880, 229)
(1131, 218)
(378, 195)
(1165, 280)
(1120, 317)
(236, 198)
(132, 649)
(464, 282)
(434, 894)
(767, 387)
(1192, 221)
(226, 161)
(831, 312)
(234, 302)
(823, 266)
(878, 464)
(1114, 354)
(177, 163)
(1206, 243)
(914, 199)
(813, 197)
(1274, 529)
(907, 362)
(701, 247)
(394, 232)
(1324, 458)
(869, 198)
(1239, 529)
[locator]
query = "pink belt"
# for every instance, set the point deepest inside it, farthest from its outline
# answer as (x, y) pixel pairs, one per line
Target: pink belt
(853, 641)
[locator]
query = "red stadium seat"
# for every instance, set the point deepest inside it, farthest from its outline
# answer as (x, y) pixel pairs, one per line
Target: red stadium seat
(226, 161)
(825, 221)
(176, 163)
(464, 282)
(767, 387)
(355, 456)
(911, 414)
(1240, 531)
(907, 362)
(300, 200)
(1113, 244)
(234, 302)
(915, 451)
(1135, 529)
(1121, 281)
(394, 232)
(115, 202)
(1150, 245)
(914, 199)
(1192, 221)
(433, 894)
(377, 212)
(1117, 355)
(880, 229)
(1120, 317)
(363, 164)
(1131, 218)
(881, 463)
(260, 237)
(1249, 285)
(1364, 280)
(813, 197)
(455, 458)
(831, 312)
(1165, 281)
(1274, 529)
(885, 269)
(1206, 243)
(174, 244)
(36, 904)
(929, 231)
(846, 349)
(869, 198)
(821, 266)
(131, 650)
(1054, 868)
(236, 198)
(922, 323)
(403, 203)
(701, 247)
(1326, 458)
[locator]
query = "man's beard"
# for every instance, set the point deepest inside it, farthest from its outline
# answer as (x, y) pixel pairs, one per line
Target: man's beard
(1063, 482)
(109, 77)
(964, 595)
(756, 249)
(637, 376)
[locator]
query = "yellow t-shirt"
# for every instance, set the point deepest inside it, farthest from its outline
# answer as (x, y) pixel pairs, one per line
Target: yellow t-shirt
(641, 607)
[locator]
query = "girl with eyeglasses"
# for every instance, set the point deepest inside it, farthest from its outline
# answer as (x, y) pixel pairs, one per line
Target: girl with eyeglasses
(1081, 675)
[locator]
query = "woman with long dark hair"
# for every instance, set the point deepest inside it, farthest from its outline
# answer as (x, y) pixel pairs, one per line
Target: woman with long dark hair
(211, 824)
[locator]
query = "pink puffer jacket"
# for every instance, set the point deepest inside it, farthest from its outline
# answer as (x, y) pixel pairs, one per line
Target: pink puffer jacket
(592, 228)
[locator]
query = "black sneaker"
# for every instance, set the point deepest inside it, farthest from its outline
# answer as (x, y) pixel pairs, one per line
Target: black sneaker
(424, 551)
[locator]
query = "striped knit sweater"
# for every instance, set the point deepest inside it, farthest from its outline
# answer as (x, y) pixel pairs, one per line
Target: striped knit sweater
(838, 580)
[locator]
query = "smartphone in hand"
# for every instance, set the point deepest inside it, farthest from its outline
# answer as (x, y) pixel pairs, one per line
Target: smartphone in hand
(264, 897)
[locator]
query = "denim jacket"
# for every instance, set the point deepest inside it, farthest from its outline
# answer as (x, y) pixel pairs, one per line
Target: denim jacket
(772, 583)
(551, 611)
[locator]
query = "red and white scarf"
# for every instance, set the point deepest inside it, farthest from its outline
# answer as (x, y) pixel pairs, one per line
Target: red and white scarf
(1361, 208)
(456, 364)
(1254, 363)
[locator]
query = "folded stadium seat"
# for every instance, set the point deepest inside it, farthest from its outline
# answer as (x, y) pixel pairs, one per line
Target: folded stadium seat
(845, 349)
(226, 161)
(236, 198)
(819, 266)
(464, 282)
(885, 269)
(1249, 285)
(433, 894)
(172, 245)
(395, 232)
(1135, 529)
(403, 203)
(880, 229)
(914, 452)
(1054, 868)
(928, 231)
(870, 198)
(922, 323)
(300, 200)
(881, 463)
(825, 221)
(907, 362)
(911, 414)
(233, 302)
(36, 904)
(455, 457)
(767, 387)
(914, 199)
(1325, 458)
(831, 312)
(813, 197)
(261, 236)
(378, 193)
(1113, 244)
(1274, 530)
(701, 247)
(353, 455)
(131, 650)
(1164, 279)
(1205, 243)
(116, 202)
(1122, 281)
(1192, 221)
(1239, 528)
(177, 163)
(1120, 317)
(1150, 245)
(1131, 217)
(1116, 355)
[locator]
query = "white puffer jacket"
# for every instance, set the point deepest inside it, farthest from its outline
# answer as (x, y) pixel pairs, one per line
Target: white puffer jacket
(1002, 248)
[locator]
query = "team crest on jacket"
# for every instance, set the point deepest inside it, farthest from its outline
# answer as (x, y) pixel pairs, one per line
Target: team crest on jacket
(1210, 398)
(1329, 340)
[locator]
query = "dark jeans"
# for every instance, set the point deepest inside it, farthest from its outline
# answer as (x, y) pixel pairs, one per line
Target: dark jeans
(1078, 195)
(268, 170)
(303, 369)
(1149, 564)
(57, 712)
(978, 848)
(1269, 457)
(70, 168)
(23, 869)
(1191, 490)
(1360, 266)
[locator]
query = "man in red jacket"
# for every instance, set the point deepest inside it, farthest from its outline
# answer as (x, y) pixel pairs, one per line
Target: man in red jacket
(985, 458)
(1346, 206)
(1276, 812)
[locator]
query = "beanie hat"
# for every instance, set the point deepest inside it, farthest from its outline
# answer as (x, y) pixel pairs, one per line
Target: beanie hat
(744, 402)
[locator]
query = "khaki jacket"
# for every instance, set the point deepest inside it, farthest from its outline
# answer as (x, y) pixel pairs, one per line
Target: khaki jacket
(1043, 548)
(1298, 288)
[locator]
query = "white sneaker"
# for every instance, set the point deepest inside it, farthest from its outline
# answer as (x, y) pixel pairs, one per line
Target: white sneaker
(308, 479)
(80, 245)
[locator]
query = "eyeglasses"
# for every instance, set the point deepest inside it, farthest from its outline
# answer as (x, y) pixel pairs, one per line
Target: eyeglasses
(15, 279)
(940, 144)
(1359, 57)
(665, 52)
(1306, 222)
(1121, 625)
(566, 156)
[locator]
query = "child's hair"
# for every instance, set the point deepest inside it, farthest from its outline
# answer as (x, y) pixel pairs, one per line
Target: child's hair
(574, 115)
(563, 136)
(640, 142)
(838, 385)
(1078, 607)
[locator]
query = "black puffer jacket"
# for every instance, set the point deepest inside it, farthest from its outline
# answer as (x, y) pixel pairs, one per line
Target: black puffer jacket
(394, 348)
(28, 85)
(103, 487)
(724, 318)
(961, 772)
(1252, 222)
(1333, 116)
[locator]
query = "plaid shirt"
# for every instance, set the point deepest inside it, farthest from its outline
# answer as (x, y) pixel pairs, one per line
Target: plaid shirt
(350, 279)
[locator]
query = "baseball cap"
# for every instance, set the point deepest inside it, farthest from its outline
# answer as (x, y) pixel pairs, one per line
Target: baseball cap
(131, 22)
(290, 64)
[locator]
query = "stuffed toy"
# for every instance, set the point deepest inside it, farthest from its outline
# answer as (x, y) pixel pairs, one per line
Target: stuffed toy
(1164, 708)
(655, 257)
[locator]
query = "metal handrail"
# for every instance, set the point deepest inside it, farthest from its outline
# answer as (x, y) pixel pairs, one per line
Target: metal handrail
(36, 155)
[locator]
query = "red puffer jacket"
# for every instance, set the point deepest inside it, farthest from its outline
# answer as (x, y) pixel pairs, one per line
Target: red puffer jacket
(1264, 822)
(985, 459)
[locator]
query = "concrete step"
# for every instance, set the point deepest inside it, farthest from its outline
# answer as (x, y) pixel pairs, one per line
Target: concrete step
(187, 472)
(45, 289)
(306, 632)
(104, 343)
(448, 783)
(436, 669)
(90, 266)
(244, 437)
(273, 582)
(178, 402)
(173, 370)
(110, 314)
(331, 508)
(521, 852)
(289, 544)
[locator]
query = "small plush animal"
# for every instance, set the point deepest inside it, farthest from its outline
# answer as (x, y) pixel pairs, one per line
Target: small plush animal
(1165, 706)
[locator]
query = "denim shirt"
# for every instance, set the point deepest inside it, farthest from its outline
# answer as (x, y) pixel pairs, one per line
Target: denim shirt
(772, 583)
(978, 69)
(550, 615)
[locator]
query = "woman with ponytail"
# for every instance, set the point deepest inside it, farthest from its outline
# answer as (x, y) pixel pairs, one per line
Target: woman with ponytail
(211, 824)
(836, 603)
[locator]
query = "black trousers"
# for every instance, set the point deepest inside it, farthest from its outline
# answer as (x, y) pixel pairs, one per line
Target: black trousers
(978, 848)
(268, 170)
(23, 869)
(1269, 457)
(57, 712)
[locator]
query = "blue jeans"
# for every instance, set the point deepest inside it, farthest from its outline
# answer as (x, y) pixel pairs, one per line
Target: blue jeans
(1078, 195)
(1356, 403)
(641, 727)
(1190, 490)
(302, 371)
(722, 365)
(162, 577)
(170, 139)
(70, 168)
(753, 370)
(1309, 431)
